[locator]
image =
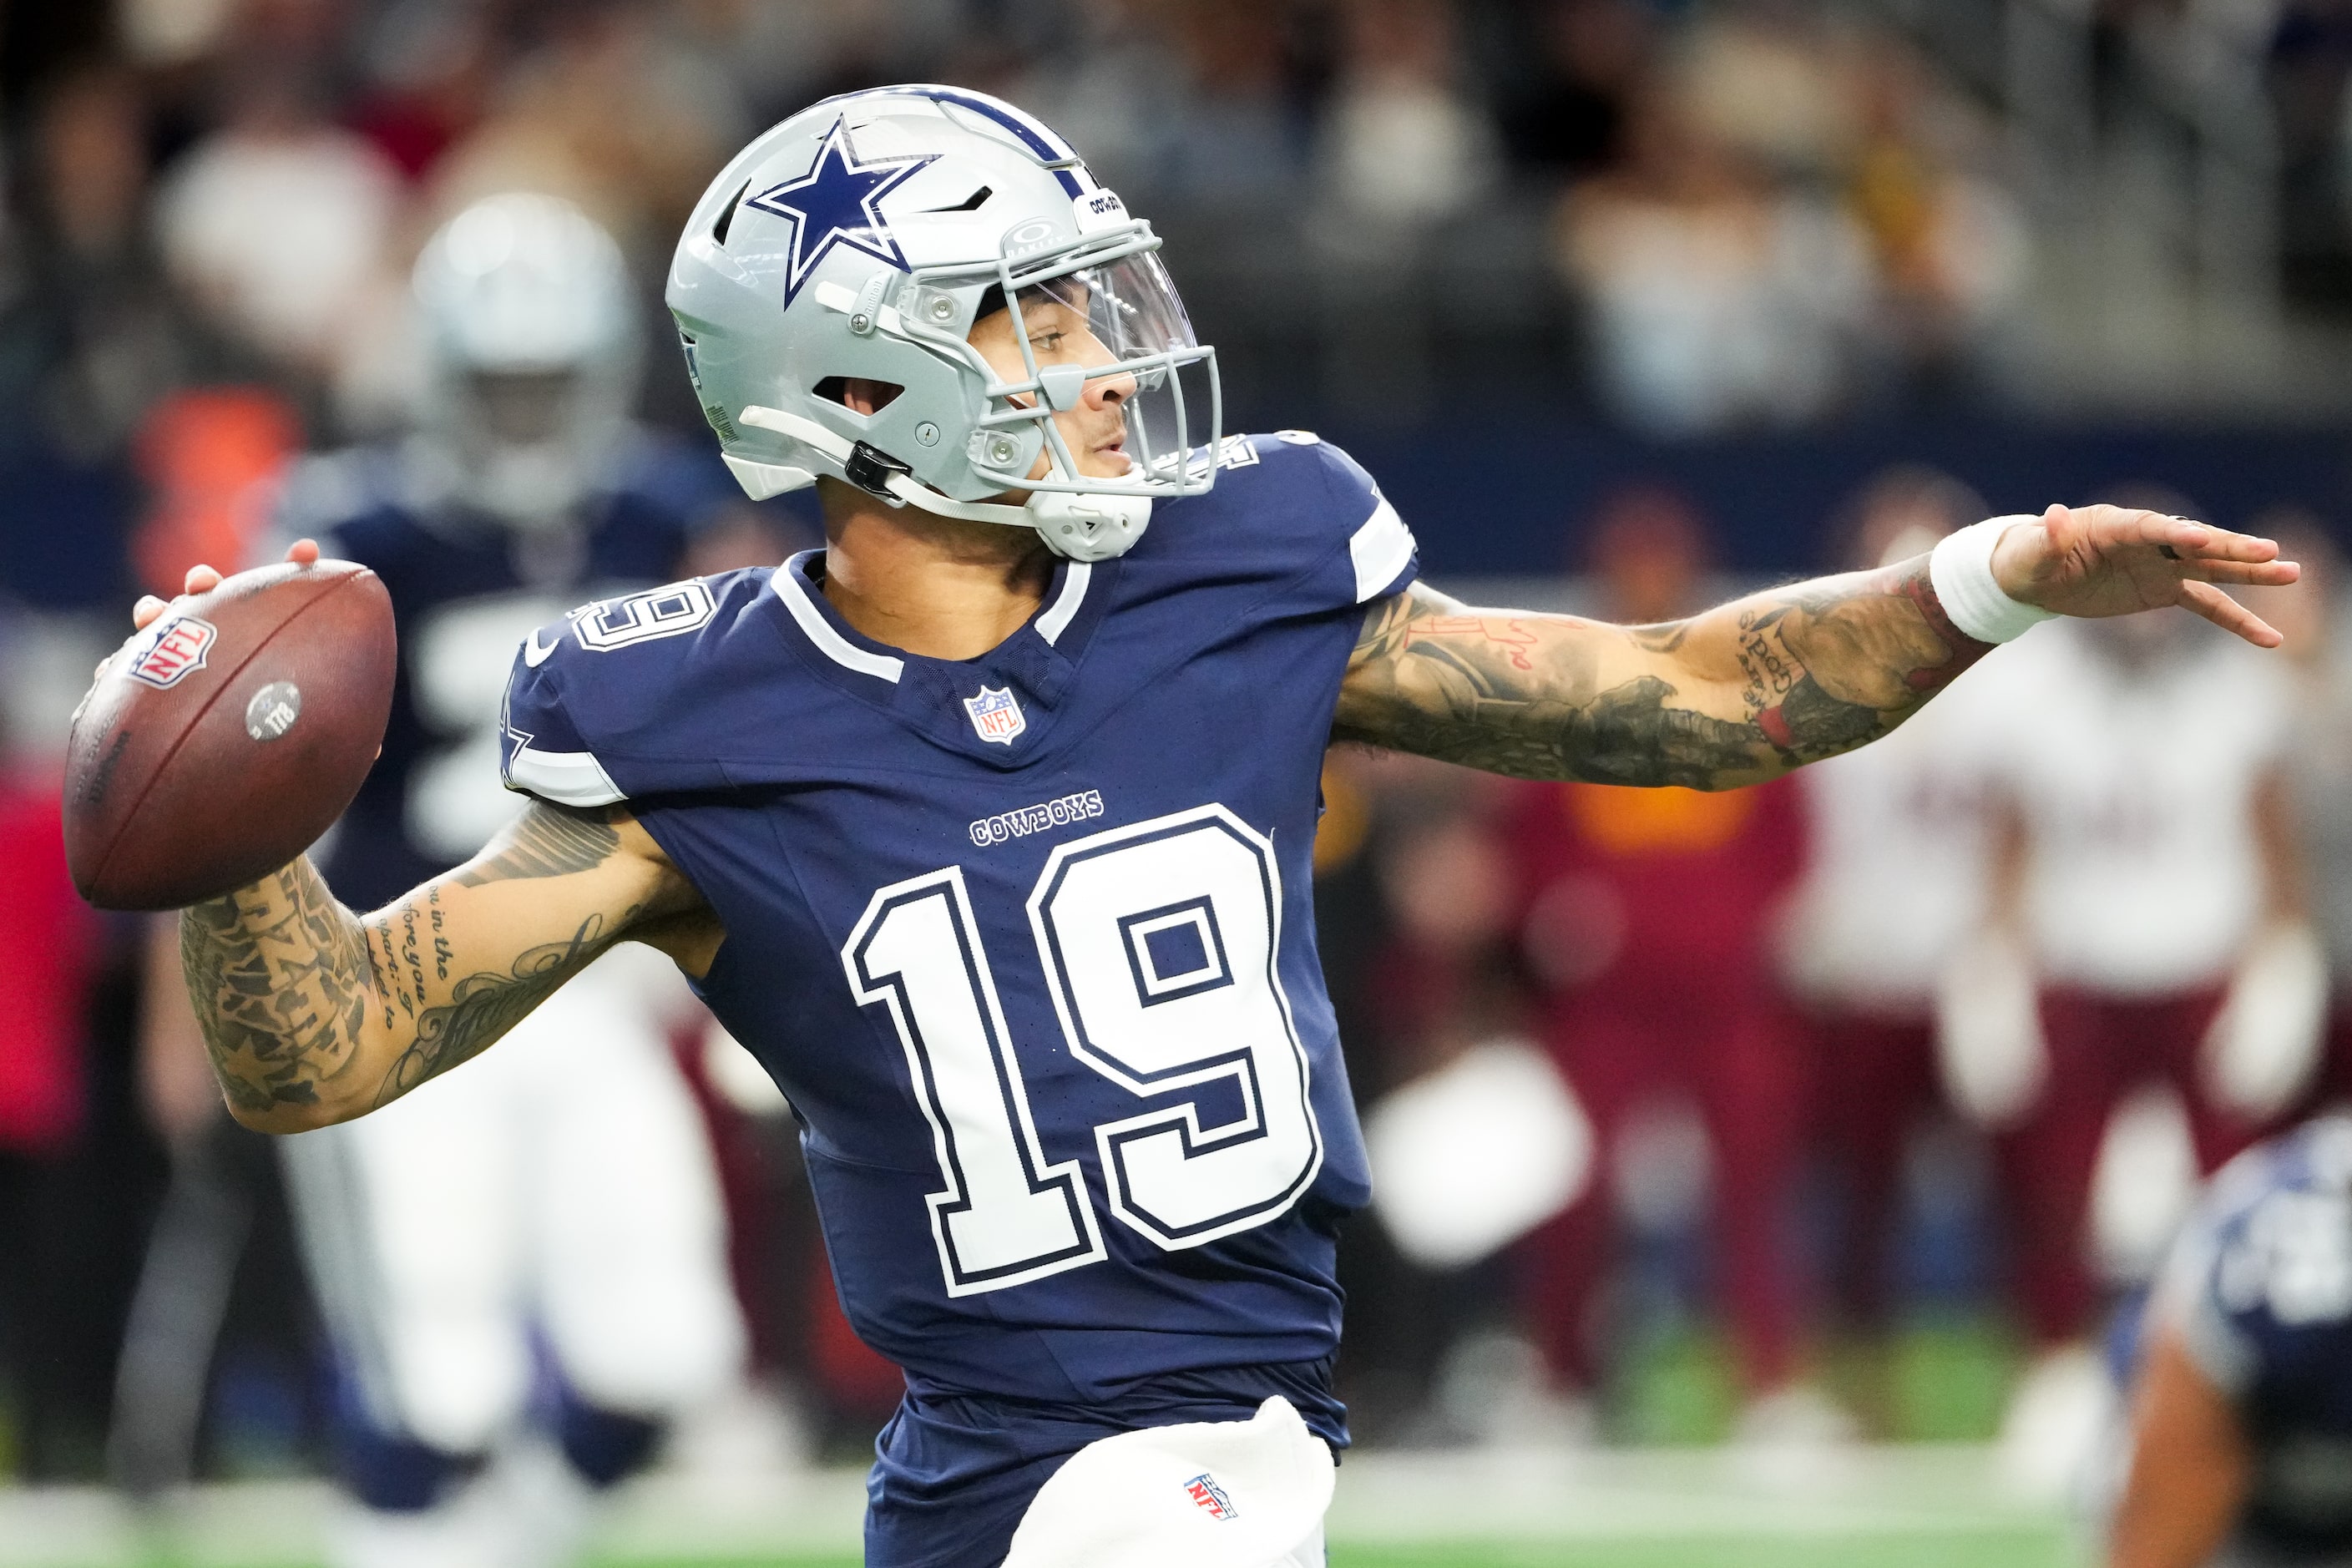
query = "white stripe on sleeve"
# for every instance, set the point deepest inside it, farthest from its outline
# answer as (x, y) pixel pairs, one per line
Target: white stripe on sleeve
(567, 778)
(1380, 549)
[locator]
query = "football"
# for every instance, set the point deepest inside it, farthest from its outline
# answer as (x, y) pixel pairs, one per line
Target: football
(220, 743)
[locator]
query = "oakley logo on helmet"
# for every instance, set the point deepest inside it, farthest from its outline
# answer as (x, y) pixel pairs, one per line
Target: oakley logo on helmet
(838, 203)
(1033, 234)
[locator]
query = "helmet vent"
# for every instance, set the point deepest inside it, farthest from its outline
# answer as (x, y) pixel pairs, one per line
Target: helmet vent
(971, 203)
(718, 231)
(877, 394)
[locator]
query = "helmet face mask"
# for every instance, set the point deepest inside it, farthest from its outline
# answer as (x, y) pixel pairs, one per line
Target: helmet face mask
(1119, 322)
(531, 443)
(863, 241)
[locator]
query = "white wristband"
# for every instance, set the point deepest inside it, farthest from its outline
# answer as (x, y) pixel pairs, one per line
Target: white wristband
(1961, 573)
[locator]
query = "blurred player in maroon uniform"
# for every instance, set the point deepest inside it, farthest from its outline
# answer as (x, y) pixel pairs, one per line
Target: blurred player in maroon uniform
(1646, 919)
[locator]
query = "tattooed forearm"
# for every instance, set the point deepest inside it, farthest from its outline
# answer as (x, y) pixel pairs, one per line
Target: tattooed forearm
(546, 841)
(1724, 699)
(484, 1007)
(280, 974)
(315, 1015)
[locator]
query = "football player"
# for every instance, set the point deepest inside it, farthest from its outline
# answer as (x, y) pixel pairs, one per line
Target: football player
(987, 825)
(2242, 1423)
(566, 1207)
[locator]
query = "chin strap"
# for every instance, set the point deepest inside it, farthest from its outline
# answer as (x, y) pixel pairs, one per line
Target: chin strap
(1083, 526)
(895, 486)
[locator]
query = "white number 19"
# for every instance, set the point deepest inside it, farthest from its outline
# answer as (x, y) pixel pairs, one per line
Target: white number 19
(1158, 943)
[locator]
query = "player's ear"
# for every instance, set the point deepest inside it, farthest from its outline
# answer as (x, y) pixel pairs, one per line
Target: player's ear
(859, 395)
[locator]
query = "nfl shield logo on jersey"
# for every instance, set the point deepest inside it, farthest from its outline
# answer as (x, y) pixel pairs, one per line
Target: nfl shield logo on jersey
(997, 715)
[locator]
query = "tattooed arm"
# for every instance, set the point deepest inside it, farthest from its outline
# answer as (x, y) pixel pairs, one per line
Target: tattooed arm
(314, 1014)
(1762, 685)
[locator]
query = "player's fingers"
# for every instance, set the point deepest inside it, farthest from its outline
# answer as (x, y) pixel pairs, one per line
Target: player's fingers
(303, 552)
(201, 580)
(2191, 538)
(2229, 615)
(144, 613)
(2246, 574)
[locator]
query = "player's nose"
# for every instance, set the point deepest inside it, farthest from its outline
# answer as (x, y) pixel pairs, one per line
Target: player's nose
(1109, 391)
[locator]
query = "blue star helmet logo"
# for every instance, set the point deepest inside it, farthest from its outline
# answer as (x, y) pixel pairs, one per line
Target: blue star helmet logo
(838, 203)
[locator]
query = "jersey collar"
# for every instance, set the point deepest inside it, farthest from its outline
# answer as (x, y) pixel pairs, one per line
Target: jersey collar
(1035, 663)
(795, 583)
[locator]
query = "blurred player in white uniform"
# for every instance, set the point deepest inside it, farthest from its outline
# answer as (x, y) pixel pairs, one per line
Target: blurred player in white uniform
(1895, 882)
(2142, 884)
(2318, 776)
(544, 1250)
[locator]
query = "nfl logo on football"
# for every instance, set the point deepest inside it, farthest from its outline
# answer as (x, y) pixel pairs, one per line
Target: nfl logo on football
(177, 650)
(1210, 1498)
(997, 715)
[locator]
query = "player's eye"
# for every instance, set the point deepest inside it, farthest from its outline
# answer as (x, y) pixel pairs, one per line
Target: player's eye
(1048, 342)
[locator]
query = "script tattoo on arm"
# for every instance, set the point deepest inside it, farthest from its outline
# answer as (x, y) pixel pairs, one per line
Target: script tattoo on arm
(481, 1007)
(1724, 699)
(297, 995)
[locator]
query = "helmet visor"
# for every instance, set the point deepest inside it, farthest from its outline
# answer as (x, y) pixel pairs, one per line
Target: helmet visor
(1113, 343)
(1131, 305)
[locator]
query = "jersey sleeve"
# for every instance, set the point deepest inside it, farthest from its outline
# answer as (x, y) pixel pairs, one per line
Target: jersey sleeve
(627, 697)
(544, 753)
(1383, 556)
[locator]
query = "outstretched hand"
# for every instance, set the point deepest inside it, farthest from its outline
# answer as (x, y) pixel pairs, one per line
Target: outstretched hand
(2095, 561)
(205, 579)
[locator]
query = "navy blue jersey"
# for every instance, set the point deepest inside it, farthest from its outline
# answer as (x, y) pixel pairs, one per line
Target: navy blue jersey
(465, 592)
(2261, 1286)
(1026, 938)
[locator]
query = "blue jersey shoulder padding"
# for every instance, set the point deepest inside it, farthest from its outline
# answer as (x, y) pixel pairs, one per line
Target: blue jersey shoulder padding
(2261, 1287)
(1026, 937)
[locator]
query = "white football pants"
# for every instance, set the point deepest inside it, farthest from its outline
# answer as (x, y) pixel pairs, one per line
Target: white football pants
(1211, 1494)
(559, 1184)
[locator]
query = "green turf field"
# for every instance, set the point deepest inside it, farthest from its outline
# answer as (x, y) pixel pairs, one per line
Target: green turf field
(2031, 1549)
(1671, 1497)
(1916, 1506)
(2024, 1551)
(2026, 1548)
(2041, 1548)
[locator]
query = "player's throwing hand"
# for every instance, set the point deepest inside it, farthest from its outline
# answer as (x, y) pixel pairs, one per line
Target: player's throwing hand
(2112, 561)
(205, 579)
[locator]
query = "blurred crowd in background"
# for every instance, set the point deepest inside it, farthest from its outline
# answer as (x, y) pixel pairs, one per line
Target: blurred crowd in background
(1763, 1091)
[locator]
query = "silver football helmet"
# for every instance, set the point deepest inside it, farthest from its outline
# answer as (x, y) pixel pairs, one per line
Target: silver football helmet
(858, 243)
(533, 351)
